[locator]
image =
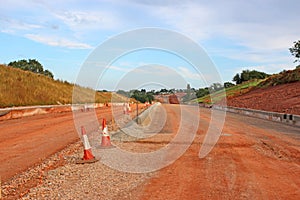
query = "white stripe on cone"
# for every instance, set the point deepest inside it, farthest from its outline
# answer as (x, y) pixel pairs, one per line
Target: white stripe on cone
(86, 143)
(105, 132)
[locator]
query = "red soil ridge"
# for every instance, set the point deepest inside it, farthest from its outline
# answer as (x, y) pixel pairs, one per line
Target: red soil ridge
(281, 98)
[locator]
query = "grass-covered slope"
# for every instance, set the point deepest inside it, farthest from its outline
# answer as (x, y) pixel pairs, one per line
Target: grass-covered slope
(20, 88)
(229, 92)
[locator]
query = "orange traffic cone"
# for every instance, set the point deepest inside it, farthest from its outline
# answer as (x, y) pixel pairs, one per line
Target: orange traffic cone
(88, 156)
(105, 143)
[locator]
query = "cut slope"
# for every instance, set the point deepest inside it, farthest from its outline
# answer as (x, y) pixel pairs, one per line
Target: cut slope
(283, 98)
(278, 93)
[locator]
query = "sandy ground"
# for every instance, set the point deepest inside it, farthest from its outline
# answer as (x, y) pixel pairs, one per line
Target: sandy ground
(253, 159)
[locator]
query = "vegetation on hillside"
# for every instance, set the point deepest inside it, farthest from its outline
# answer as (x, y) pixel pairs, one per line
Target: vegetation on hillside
(283, 77)
(31, 65)
(239, 89)
(20, 88)
(139, 95)
(248, 75)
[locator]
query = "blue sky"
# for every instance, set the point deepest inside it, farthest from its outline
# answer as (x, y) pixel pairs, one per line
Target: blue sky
(236, 35)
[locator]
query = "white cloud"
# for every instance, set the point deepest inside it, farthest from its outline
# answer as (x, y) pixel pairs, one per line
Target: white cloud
(57, 41)
(270, 68)
(258, 26)
(122, 69)
(189, 18)
(186, 73)
(12, 25)
(254, 33)
(88, 20)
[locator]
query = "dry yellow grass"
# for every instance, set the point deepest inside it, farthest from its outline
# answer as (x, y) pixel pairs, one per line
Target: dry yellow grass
(20, 88)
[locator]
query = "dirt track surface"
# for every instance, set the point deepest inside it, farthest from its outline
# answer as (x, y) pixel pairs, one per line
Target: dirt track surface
(253, 159)
(282, 98)
(27, 141)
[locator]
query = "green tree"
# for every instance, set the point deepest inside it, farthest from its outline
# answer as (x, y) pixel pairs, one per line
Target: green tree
(142, 96)
(162, 91)
(48, 73)
(202, 92)
(295, 50)
(237, 79)
(35, 66)
(247, 75)
(150, 96)
(31, 65)
(228, 84)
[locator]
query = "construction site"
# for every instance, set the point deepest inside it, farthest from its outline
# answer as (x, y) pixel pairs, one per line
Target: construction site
(45, 156)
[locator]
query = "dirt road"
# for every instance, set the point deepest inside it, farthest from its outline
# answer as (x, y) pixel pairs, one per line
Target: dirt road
(253, 159)
(27, 141)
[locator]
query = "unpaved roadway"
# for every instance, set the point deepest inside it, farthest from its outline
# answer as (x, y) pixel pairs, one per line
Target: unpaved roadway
(253, 159)
(27, 141)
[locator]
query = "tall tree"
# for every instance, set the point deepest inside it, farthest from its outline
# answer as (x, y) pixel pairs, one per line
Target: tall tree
(295, 50)
(237, 79)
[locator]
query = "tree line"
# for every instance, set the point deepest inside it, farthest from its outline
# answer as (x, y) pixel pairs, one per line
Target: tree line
(139, 95)
(248, 75)
(31, 65)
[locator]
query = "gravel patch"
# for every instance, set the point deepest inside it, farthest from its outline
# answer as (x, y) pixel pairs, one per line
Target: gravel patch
(59, 177)
(19, 185)
(88, 181)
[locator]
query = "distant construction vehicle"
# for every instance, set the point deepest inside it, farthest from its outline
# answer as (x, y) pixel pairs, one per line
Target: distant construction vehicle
(173, 99)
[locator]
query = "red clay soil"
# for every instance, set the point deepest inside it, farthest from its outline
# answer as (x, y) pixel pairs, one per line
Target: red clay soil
(253, 159)
(27, 141)
(281, 98)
